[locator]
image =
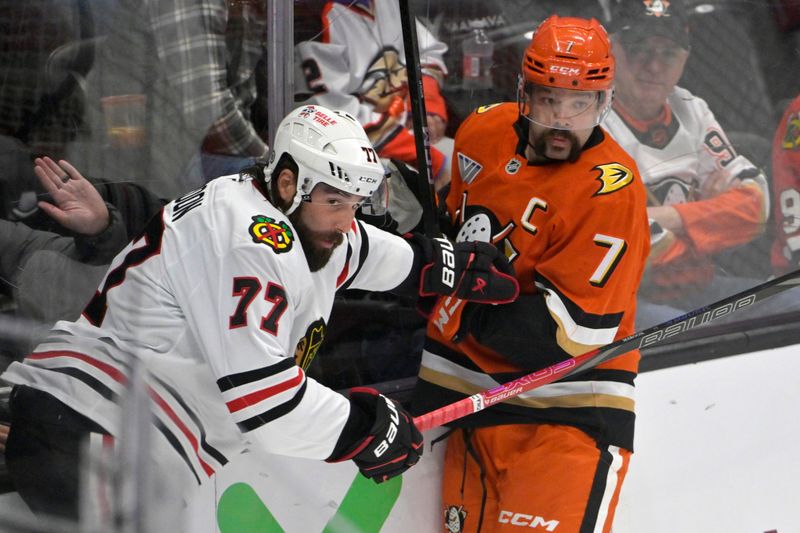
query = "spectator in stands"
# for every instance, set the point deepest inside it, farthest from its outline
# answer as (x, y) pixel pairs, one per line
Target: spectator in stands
(359, 66)
(703, 197)
(786, 190)
(194, 61)
(50, 276)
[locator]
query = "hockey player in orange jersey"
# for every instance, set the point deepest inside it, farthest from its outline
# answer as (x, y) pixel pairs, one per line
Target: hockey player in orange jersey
(545, 183)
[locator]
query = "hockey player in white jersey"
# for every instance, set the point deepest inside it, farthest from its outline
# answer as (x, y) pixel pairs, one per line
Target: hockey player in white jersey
(224, 299)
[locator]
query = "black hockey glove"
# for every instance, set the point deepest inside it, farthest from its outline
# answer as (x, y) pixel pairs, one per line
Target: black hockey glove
(472, 271)
(391, 445)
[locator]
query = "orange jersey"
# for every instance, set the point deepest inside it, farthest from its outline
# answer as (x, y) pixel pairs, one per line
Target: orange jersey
(576, 233)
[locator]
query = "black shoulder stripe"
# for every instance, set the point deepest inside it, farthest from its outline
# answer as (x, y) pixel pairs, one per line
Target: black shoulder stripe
(268, 416)
(231, 381)
(582, 318)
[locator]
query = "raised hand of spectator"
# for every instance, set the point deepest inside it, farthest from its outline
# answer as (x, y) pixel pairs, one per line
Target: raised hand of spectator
(79, 207)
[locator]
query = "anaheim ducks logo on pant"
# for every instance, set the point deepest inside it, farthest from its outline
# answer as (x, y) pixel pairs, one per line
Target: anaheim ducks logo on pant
(309, 345)
(454, 518)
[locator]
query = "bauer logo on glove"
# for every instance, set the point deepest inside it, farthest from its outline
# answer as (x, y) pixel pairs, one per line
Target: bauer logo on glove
(473, 271)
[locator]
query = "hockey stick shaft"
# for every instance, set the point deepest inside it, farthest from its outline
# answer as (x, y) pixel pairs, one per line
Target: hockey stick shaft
(654, 335)
(419, 119)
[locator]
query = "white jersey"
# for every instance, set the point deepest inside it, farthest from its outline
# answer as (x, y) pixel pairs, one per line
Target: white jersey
(677, 156)
(355, 36)
(216, 300)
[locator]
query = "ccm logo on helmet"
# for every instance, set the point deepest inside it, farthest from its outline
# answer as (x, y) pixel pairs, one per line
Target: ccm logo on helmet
(566, 71)
(448, 261)
(394, 418)
(526, 520)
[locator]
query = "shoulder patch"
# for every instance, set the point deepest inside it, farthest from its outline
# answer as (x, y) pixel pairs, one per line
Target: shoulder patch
(276, 234)
(309, 345)
(485, 108)
(513, 166)
(469, 168)
(613, 177)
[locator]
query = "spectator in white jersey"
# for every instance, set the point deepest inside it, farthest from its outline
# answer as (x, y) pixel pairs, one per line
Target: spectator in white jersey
(224, 300)
(703, 197)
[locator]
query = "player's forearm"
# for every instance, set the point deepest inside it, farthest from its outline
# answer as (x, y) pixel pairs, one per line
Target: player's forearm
(734, 217)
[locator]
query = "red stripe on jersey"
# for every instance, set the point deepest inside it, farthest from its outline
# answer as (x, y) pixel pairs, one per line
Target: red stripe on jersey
(343, 275)
(346, 270)
(115, 374)
(185, 430)
(257, 396)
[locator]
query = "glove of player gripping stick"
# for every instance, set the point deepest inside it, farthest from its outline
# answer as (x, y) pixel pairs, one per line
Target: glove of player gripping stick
(393, 443)
(472, 271)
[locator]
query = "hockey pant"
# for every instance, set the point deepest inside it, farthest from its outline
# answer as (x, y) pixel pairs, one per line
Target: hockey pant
(538, 477)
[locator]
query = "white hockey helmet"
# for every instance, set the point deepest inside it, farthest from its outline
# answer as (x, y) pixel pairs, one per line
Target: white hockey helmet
(329, 147)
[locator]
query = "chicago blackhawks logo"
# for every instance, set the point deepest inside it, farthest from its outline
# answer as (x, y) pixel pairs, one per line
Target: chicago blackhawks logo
(454, 518)
(613, 177)
(791, 139)
(310, 344)
(275, 234)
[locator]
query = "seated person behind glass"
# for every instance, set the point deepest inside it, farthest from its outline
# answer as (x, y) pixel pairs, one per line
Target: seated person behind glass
(703, 197)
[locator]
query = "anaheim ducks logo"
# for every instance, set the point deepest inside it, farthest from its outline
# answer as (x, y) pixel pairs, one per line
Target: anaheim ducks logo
(613, 177)
(791, 139)
(485, 108)
(310, 344)
(454, 518)
(275, 234)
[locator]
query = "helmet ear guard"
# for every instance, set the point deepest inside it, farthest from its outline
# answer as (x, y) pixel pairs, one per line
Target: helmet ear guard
(328, 147)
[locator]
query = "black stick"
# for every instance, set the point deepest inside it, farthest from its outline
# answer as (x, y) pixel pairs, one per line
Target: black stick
(430, 221)
(641, 339)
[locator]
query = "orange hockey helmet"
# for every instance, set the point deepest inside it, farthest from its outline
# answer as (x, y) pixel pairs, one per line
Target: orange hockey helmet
(567, 55)
(570, 53)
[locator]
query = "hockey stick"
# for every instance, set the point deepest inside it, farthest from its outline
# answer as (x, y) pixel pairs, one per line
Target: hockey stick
(419, 120)
(642, 339)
